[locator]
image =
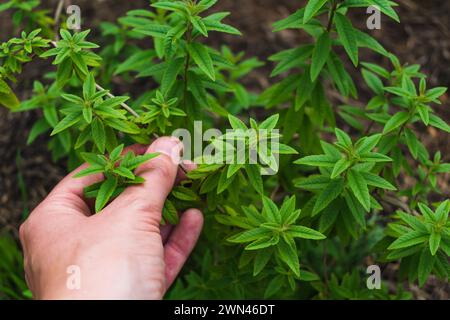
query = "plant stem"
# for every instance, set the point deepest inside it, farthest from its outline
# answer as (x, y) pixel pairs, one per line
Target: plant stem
(57, 17)
(332, 13)
(186, 66)
(123, 105)
(325, 265)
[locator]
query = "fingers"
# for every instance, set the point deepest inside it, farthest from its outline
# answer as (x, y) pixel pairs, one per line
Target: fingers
(159, 174)
(181, 242)
(165, 232)
(75, 186)
(71, 189)
(69, 192)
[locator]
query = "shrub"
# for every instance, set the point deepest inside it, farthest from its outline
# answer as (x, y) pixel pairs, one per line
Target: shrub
(302, 233)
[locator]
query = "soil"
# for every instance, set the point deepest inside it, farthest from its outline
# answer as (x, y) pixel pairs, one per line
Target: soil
(423, 37)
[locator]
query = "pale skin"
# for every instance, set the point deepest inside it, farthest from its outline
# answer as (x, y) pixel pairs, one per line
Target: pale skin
(122, 252)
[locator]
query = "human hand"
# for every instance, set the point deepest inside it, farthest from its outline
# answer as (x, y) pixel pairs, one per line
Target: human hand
(122, 252)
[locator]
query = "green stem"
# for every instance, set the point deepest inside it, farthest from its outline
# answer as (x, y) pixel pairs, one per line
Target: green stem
(332, 14)
(186, 66)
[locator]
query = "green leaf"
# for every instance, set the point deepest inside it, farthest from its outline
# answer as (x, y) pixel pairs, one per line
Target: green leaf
(305, 233)
(199, 25)
(342, 165)
(288, 253)
(308, 276)
(367, 144)
(171, 6)
(348, 37)
(122, 125)
(320, 55)
(435, 240)
(312, 183)
(136, 161)
(375, 157)
(373, 82)
(442, 211)
(79, 61)
(435, 93)
(250, 235)
(8, 98)
(116, 153)
(409, 239)
(124, 172)
(262, 243)
(377, 69)
(437, 122)
(396, 121)
(312, 8)
(214, 25)
(201, 57)
(294, 60)
(386, 7)
(412, 142)
(38, 128)
(64, 72)
(293, 21)
(135, 62)
(398, 91)
(105, 192)
(426, 212)
(89, 171)
(412, 221)
(185, 194)
(261, 260)
(331, 192)
(236, 123)
(274, 286)
(376, 181)
(93, 159)
(224, 182)
(358, 185)
(153, 29)
(89, 87)
(426, 264)
(343, 138)
(170, 214)
(254, 176)
(270, 123)
(170, 75)
(304, 91)
(206, 4)
(424, 113)
(356, 209)
(87, 115)
(366, 41)
(66, 123)
(233, 168)
(98, 134)
(270, 210)
(318, 161)
(287, 209)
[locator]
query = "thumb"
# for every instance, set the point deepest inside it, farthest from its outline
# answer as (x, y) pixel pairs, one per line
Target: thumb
(159, 174)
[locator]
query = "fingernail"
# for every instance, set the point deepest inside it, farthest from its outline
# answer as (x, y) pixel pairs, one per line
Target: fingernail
(169, 146)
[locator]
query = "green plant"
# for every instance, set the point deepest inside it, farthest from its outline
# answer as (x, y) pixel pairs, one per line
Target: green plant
(12, 282)
(118, 172)
(301, 233)
(26, 13)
